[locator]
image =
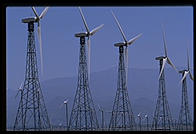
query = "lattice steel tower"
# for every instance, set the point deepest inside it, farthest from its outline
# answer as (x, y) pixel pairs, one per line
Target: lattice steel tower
(162, 116)
(122, 118)
(185, 119)
(83, 115)
(32, 112)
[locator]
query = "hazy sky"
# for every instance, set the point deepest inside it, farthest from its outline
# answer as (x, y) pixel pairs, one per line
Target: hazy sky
(61, 48)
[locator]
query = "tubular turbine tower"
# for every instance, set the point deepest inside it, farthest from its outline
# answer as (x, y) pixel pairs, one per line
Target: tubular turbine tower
(32, 113)
(83, 115)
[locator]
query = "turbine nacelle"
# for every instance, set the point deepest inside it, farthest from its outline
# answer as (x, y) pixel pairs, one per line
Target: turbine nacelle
(28, 20)
(65, 102)
(182, 71)
(120, 44)
(185, 72)
(81, 34)
(165, 59)
(126, 43)
(160, 57)
(37, 19)
(88, 33)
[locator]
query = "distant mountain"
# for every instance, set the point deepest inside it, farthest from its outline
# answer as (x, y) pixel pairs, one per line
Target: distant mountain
(142, 88)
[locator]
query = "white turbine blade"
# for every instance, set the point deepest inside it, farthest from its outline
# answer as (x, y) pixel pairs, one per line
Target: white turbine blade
(126, 58)
(169, 62)
(87, 29)
(17, 94)
(66, 101)
(188, 64)
(60, 106)
(20, 88)
(191, 76)
(99, 107)
(40, 42)
(96, 29)
(119, 27)
(43, 13)
(133, 39)
(163, 65)
(89, 53)
(165, 48)
(35, 12)
(184, 76)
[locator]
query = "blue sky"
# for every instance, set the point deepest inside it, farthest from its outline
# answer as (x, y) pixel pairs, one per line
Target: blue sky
(61, 48)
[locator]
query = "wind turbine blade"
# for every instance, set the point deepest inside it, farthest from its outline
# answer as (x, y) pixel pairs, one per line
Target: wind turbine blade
(126, 58)
(163, 65)
(170, 63)
(96, 29)
(60, 106)
(17, 94)
(191, 76)
(184, 76)
(165, 48)
(40, 42)
(188, 64)
(99, 107)
(89, 53)
(133, 39)
(20, 88)
(43, 13)
(84, 20)
(35, 12)
(119, 27)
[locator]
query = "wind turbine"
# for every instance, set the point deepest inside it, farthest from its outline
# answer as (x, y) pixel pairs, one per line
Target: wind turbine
(19, 90)
(66, 109)
(186, 72)
(162, 106)
(140, 118)
(65, 102)
(37, 19)
(185, 119)
(102, 116)
(165, 58)
(146, 116)
(126, 43)
(88, 34)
